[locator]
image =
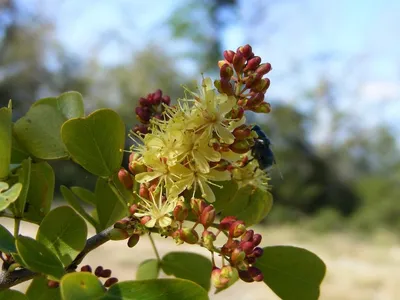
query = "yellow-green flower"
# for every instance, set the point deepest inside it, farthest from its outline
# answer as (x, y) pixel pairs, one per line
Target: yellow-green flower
(252, 175)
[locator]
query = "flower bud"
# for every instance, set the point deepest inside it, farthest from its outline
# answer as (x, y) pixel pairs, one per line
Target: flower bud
(176, 235)
(86, 268)
(262, 108)
(256, 100)
(180, 213)
(121, 224)
(257, 252)
(226, 222)
(226, 86)
(143, 114)
(256, 274)
(133, 240)
(241, 132)
(252, 64)
(110, 281)
(216, 279)
(105, 273)
(238, 62)
(144, 191)
(207, 217)
(208, 239)
(98, 271)
(226, 71)
(247, 247)
(144, 220)
(248, 236)
(264, 69)
(238, 255)
(245, 276)
(197, 205)
(250, 260)
(132, 209)
(237, 229)
(240, 146)
(117, 234)
(228, 55)
(166, 100)
(141, 129)
(237, 113)
(217, 84)
(189, 235)
(231, 244)
(246, 50)
(257, 239)
(261, 86)
(125, 178)
(53, 284)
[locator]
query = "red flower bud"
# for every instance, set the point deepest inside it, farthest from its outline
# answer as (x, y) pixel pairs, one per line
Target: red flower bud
(53, 284)
(144, 220)
(238, 62)
(226, 86)
(256, 274)
(248, 236)
(110, 281)
(257, 239)
(180, 213)
(246, 50)
(262, 108)
(247, 247)
(241, 133)
(240, 146)
(86, 268)
(238, 255)
(125, 178)
(226, 71)
(208, 239)
(189, 235)
(226, 222)
(256, 100)
(132, 209)
(98, 271)
(197, 205)
(207, 217)
(117, 234)
(228, 55)
(105, 273)
(166, 100)
(264, 69)
(252, 64)
(245, 276)
(133, 240)
(216, 279)
(237, 113)
(257, 252)
(261, 86)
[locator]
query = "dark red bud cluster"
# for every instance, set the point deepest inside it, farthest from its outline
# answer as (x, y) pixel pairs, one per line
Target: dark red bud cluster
(243, 69)
(150, 107)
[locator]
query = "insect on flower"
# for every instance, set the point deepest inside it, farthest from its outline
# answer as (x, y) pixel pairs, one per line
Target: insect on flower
(261, 150)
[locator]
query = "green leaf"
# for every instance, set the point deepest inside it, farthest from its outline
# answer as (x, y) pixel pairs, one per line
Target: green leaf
(95, 142)
(24, 175)
(225, 195)
(148, 269)
(69, 104)
(81, 286)
(7, 241)
(84, 194)
(18, 153)
(156, 289)
(64, 233)
(250, 205)
(40, 193)
(38, 290)
(12, 295)
(108, 206)
(8, 195)
(39, 132)
(73, 201)
(187, 265)
(5, 140)
(291, 272)
(38, 257)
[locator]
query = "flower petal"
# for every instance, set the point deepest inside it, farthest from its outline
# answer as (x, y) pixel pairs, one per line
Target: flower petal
(147, 176)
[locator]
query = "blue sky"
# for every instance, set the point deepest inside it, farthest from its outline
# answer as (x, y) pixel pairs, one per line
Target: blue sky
(355, 43)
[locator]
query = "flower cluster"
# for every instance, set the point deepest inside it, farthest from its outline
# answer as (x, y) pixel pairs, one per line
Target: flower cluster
(182, 152)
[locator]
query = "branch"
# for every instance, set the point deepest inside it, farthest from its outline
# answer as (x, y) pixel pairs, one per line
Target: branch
(9, 279)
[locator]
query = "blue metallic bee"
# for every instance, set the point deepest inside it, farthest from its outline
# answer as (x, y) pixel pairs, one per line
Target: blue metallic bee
(261, 150)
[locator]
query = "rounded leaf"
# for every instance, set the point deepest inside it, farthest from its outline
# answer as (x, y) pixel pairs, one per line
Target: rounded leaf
(148, 269)
(64, 233)
(95, 142)
(39, 290)
(187, 265)
(38, 257)
(24, 175)
(8, 195)
(81, 286)
(156, 289)
(12, 295)
(69, 104)
(291, 272)
(7, 241)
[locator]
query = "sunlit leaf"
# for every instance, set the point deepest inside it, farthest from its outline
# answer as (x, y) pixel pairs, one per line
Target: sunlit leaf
(8, 195)
(39, 290)
(7, 241)
(81, 286)
(5, 140)
(148, 269)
